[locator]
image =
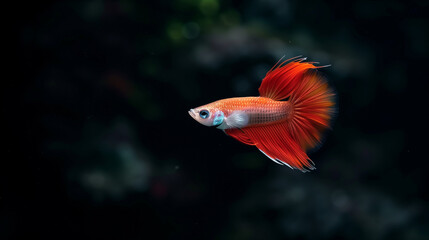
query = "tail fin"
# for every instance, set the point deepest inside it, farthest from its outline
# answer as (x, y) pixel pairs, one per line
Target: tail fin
(312, 100)
(313, 103)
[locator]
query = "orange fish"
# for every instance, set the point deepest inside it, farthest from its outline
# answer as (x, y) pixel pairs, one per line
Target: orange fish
(294, 107)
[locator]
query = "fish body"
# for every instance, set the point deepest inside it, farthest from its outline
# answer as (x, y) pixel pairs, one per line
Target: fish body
(253, 111)
(294, 108)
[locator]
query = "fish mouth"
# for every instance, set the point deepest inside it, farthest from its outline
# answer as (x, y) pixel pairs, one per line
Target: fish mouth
(192, 113)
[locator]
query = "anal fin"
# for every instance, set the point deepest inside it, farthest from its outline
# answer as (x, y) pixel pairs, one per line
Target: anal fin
(239, 135)
(275, 160)
(276, 143)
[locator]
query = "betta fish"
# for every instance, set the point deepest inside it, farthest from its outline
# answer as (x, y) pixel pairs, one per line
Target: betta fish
(295, 106)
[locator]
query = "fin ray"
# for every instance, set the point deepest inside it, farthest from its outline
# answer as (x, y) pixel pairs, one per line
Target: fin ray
(237, 119)
(239, 135)
(282, 79)
(313, 107)
(275, 142)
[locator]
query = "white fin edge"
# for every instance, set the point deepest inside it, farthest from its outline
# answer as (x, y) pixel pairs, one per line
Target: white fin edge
(275, 160)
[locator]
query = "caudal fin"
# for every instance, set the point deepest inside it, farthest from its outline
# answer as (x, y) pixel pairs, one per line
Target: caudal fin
(287, 142)
(313, 103)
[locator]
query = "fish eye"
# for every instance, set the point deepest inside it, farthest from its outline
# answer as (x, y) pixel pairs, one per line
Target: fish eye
(204, 114)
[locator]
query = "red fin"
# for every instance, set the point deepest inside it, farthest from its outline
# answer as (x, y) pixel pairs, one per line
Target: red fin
(276, 142)
(239, 135)
(282, 79)
(313, 105)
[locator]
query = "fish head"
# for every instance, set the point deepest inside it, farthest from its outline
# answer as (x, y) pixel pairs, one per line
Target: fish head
(207, 115)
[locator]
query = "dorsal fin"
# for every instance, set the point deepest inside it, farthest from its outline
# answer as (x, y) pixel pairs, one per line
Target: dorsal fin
(283, 78)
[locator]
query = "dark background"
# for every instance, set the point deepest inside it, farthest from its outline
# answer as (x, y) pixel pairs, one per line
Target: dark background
(99, 144)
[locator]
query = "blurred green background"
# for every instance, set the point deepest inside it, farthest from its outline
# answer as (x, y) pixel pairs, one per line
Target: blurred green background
(99, 144)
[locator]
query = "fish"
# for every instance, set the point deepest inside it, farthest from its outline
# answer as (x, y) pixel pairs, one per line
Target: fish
(294, 109)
